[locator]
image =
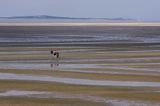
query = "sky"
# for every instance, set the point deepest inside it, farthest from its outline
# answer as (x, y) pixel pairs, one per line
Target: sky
(134, 9)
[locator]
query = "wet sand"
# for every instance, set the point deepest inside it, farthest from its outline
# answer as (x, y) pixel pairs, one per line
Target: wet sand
(36, 94)
(7, 76)
(102, 63)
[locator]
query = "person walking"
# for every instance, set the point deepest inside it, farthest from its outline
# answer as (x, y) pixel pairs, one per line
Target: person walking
(55, 53)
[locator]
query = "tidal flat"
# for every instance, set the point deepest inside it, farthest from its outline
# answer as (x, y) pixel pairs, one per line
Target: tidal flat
(98, 65)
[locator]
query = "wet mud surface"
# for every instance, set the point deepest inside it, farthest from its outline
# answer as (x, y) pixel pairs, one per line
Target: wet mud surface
(94, 51)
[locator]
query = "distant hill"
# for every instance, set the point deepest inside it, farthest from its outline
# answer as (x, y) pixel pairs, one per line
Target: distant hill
(57, 17)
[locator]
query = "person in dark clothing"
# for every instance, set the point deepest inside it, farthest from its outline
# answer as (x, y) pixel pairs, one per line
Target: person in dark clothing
(55, 53)
(51, 51)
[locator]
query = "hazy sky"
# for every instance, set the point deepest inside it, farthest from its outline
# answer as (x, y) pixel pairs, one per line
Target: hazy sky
(136, 9)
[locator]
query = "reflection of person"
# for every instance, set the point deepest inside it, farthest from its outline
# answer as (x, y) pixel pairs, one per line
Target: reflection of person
(54, 65)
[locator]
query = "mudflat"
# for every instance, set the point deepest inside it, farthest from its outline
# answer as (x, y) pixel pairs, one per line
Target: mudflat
(113, 65)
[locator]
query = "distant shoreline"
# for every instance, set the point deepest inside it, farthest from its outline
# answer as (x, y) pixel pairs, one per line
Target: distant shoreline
(79, 24)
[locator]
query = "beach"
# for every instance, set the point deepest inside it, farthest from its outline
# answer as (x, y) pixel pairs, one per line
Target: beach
(100, 64)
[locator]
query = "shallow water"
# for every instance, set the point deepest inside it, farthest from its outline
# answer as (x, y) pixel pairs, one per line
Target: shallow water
(50, 35)
(74, 81)
(77, 68)
(57, 65)
(20, 93)
(112, 37)
(45, 66)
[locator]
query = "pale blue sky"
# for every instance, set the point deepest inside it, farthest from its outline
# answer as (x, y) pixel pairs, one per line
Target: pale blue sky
(136, 9)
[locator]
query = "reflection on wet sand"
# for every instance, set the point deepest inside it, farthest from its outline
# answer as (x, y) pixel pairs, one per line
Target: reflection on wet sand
(54, 65)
